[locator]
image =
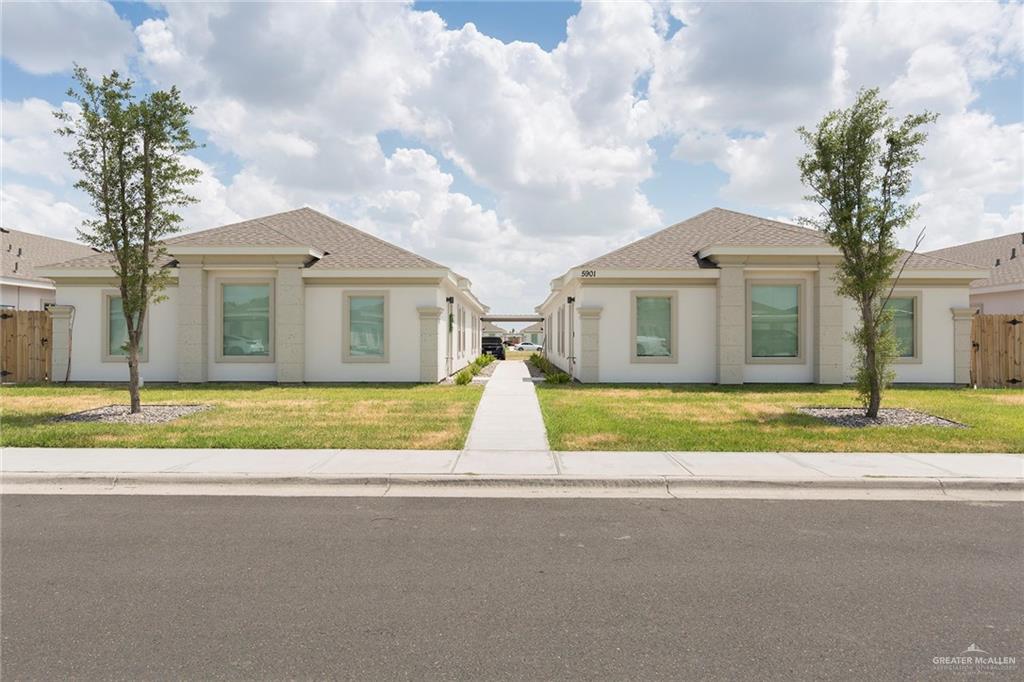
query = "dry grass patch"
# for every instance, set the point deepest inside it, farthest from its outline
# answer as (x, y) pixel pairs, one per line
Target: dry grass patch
(393, 416)
(765, 418)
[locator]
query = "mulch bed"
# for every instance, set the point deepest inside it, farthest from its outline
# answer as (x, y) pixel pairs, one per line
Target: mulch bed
(120, 414)
(853, 417)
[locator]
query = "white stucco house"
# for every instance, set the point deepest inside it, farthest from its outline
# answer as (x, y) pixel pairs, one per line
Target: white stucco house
(733, 298)
(21, 254)
(290, 297)
(1002, 292)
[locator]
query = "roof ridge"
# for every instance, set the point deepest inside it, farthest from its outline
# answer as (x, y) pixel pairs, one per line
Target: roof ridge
(372, 236)
(645, 238)
(979, 241)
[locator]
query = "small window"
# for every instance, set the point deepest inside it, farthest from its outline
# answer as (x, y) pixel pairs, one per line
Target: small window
(653, 326)
(115, 331)
(904, 310)
(366, 327)
(774, 321)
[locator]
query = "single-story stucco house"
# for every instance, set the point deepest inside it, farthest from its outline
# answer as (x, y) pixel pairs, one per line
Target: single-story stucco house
(1002, 292)
(534, 333)
(733, 298)
(290, 297)
(21, 254)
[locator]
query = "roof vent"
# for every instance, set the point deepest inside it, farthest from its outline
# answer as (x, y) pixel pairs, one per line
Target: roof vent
(997, 263)
(19, 250)
(15, 266)
(1013, 253)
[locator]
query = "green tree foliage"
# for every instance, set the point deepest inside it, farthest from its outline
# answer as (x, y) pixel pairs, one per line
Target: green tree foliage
(129, 155)
(858, 169)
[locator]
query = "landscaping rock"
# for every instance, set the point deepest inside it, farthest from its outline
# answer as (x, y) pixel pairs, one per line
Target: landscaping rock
(853, 417)
(120, 414)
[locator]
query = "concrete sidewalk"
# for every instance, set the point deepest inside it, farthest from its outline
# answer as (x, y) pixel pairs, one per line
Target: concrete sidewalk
(321, 471)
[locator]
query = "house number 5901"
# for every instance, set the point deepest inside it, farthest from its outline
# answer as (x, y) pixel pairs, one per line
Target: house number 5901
(588, 273)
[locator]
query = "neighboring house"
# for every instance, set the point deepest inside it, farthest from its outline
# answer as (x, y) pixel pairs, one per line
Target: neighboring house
(534, 333)
(733, 298)
(21, 253)
(491, 329)
(290, 297)
(1003, 290)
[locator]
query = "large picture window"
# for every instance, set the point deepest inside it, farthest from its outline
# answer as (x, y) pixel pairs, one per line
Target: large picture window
(653, 327)
(115, 331)
(774, 312)
(365, 335)
(905, 320)
(246, 321)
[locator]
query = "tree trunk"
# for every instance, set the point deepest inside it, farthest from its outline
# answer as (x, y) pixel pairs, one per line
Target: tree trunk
(871, 363)
(133, 377)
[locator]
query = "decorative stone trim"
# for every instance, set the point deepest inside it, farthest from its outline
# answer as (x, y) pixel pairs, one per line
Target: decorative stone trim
(590, 343)
(430, 320)
(731, 323)
(290, 325)
(962, 348)
(60, 341)
(193, 335)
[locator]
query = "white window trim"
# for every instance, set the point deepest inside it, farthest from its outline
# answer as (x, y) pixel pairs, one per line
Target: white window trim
(105, 348)
(916, 296)
(346, 335)
(219, 321)
(801, 321)
(673, 356)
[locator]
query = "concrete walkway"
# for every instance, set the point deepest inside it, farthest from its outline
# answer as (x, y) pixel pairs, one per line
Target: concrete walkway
(750, 466)
(507, 435)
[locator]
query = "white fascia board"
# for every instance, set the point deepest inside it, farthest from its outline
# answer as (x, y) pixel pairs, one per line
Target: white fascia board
(25, 283)
(709, 251)
(244, 251)
(702, 273)
(944, 274)
(412, 273)
(998, 288)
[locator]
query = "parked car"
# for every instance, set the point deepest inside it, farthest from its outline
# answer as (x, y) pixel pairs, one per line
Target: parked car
(240, 345)
(527, 345)
(492, 345)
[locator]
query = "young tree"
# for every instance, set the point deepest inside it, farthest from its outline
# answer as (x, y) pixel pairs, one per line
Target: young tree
(128, 151)
(858, 168)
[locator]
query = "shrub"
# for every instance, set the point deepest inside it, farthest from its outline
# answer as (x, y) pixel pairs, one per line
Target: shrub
(473, 368)
(557, 378)
(463, 377)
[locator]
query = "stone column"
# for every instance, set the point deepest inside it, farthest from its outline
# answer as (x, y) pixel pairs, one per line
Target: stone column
(732, 311)
(590, 342)
(430, 317)
(828, 328)
(60, 341)
(962, 346)
(290, 325)
(193, 336)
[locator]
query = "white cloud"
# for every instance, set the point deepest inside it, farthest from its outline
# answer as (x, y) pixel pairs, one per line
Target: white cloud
(35, 210)
(46, 37)
(30, 145)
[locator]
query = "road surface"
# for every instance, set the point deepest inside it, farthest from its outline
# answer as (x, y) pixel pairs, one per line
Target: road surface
(356, 588)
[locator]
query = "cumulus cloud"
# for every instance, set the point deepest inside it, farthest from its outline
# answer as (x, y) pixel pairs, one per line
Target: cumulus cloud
(46, 37)
(559, 142)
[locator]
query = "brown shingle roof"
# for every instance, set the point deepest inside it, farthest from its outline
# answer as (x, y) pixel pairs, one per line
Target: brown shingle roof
(676, 246)
(345, 247)
(1008, 249)
(22, 252)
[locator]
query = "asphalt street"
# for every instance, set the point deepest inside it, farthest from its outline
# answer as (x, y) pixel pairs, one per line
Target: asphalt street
(134, 587)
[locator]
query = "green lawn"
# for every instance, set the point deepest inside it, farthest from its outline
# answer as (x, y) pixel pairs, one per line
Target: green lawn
(420, 416)
(750, 418)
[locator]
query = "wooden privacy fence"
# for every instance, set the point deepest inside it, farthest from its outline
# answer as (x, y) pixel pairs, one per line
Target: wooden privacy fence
(25, 353)
(998, 357)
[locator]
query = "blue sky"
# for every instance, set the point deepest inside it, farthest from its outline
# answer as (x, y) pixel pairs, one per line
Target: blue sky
(549, 134)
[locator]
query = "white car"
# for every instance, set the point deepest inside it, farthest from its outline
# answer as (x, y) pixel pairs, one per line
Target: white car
(526, 345)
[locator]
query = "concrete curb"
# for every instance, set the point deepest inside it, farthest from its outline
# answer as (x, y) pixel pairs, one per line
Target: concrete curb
(128, 480)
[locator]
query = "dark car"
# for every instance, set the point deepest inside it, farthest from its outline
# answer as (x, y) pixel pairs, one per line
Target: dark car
(492, 346)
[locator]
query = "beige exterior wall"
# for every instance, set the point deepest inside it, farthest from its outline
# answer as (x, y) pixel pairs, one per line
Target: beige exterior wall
(1000, 303)
(25, 298)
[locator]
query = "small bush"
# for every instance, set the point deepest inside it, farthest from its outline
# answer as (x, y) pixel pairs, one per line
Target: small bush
(557, 378)
(473, 368)
(463, 377)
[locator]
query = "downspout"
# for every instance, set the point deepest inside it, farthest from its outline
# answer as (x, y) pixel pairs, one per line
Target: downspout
(448, 347)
